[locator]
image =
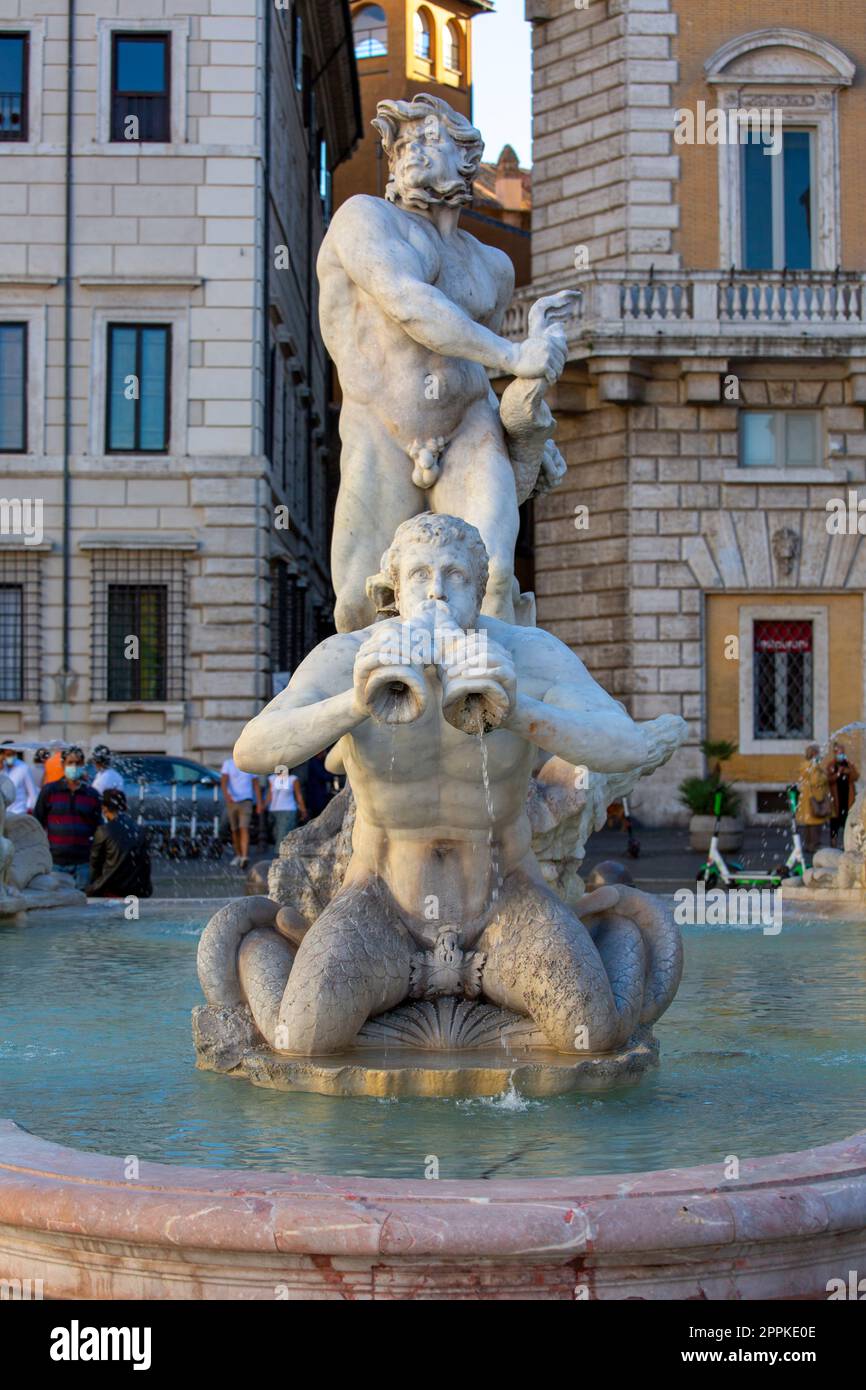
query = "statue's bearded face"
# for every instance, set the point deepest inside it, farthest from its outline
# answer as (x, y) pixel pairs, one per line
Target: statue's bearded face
(430, 571)
(426, 165)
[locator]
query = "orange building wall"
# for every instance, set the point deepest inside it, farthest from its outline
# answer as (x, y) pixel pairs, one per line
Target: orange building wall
(705, 27)
(845, 644)
(399, 77)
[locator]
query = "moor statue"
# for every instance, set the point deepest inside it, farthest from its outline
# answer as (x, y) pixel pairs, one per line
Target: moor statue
(412, 308)
(443, 893)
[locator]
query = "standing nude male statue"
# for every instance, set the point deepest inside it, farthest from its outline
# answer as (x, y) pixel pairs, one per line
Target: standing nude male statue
(441, 819)
(411, 310)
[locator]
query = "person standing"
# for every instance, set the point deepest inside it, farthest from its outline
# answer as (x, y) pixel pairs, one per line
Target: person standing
(53, 766)
(70, 811)
(285, 802)
(240, 789)
(25, 788)
(107, 778)
(322, 786)
(119, 857)
(814, 802)
(37, 772)
(842, 776)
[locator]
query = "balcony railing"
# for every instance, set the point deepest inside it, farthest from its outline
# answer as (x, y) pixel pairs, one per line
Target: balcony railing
(706, 304)
(150, 112)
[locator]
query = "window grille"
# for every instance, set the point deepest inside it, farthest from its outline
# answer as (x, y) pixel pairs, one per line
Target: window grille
(20, 626)
(783, 680)
(289, 619)
(139, 594)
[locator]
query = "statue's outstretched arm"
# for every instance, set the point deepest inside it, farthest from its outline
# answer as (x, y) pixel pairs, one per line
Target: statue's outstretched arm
(317, 707)
(577, 720)
(604, 739)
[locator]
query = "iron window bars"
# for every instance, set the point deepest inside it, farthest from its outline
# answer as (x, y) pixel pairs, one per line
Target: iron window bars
(20, 624)
(138, 594)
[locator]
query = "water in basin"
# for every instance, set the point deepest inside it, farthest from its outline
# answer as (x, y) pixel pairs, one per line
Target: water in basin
(763, 1050)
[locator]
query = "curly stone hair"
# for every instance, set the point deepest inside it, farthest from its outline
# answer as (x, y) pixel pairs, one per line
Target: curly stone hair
(441, 530)
(391, 115)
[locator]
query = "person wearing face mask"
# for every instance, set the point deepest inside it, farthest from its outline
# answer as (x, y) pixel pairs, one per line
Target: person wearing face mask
(71, 812)
(107, 778)
(842, 775)
(37, 772)
(814, 802)
(15, 767)
(119, 858)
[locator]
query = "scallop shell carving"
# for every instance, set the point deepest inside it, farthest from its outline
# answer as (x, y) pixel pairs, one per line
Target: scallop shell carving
(446, 1024)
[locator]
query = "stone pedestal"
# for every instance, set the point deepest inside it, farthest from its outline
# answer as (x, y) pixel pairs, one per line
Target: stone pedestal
(448, 1048)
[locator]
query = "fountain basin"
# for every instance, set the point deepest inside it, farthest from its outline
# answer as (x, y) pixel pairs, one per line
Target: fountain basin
(787, 1226)
(623, 1194)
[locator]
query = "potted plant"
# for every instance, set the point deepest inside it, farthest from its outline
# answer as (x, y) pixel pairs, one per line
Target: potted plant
(699, 795)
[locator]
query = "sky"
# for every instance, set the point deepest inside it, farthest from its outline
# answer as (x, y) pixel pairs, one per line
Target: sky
(502, 72)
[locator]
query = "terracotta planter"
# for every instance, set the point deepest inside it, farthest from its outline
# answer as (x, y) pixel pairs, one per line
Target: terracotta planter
(701, 832)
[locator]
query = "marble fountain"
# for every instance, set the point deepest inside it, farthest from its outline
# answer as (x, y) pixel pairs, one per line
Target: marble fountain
(429, 1062)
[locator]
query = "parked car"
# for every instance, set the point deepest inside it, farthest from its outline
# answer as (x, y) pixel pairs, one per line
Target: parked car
(178, 802)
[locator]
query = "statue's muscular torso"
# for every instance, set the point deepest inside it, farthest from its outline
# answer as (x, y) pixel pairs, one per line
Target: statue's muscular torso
(414, 393)
(426, 823)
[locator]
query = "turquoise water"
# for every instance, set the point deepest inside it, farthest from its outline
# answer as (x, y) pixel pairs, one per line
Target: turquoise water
(763, 1050)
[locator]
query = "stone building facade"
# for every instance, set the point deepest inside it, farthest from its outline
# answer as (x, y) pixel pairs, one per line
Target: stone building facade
(712, 412)
(163, 386)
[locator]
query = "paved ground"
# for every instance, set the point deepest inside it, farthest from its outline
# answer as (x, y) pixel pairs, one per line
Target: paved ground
(665, 862)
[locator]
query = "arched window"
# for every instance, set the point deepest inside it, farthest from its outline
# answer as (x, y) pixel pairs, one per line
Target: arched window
(370, 27)
(452, 46)
(423, 35)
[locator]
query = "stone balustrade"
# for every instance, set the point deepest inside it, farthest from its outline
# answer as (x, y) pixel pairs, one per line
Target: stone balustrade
(665, 306)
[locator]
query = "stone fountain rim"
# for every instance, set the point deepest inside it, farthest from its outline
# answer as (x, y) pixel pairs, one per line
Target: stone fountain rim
(66, 1192)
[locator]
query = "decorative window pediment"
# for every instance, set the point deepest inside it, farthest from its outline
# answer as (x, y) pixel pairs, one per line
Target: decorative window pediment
(780, 56)
(794, 79)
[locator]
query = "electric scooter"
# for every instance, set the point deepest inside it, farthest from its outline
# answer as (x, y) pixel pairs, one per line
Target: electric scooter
(717, 872)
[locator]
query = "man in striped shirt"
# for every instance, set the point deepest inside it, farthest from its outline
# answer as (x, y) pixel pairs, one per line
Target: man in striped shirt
(70, 810)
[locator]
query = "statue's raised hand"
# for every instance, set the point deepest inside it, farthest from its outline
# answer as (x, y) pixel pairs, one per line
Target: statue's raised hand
(388, 675)
(542, 355)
